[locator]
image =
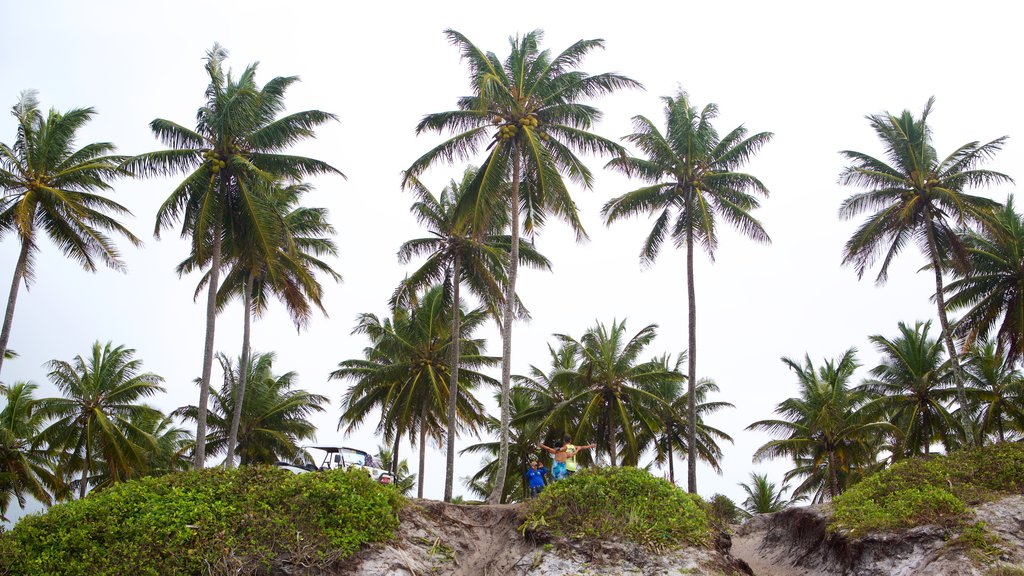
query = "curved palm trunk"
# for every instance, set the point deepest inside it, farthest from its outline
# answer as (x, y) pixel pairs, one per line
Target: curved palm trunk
(940, 302)
(506, 335)
(211, 320)
(691, 375)
(243, 372)
(423, 458)
(453, 387)
(19, 275)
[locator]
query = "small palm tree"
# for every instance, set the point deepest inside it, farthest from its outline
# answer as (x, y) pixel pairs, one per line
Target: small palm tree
(991, 292)
(556, 399)
(914, 196)
(50, 186)
(97, 421)
(692, 172)
(912, 387)
(528, 113)
(825, 430)
(173, 444)
(406, 373)
(405, 481)
(763, 497)
(24, 462)
(523, 449)
(235, 148)
(275, 415)
(998, 392)
(456, 254)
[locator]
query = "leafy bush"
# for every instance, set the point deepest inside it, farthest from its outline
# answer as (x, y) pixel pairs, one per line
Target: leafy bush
(724, 510)
(622, 503)
(932, 490)
(245, 520)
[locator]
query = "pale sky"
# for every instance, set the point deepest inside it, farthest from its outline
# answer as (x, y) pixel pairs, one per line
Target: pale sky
(809, 72)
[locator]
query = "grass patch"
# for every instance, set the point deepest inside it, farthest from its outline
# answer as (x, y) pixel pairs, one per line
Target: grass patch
(934, 490)
(620, 503)
(208, 521)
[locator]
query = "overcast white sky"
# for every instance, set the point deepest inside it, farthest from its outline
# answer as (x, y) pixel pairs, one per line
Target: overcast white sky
(809, 72)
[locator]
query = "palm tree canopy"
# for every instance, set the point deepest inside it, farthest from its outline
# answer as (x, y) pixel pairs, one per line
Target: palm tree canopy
(912, 189)
(528, 106)
(24, 462)
(48, 184)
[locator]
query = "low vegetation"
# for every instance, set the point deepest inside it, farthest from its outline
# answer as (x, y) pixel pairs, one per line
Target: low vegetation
(210, 521)
(620, 503)
(934, 490)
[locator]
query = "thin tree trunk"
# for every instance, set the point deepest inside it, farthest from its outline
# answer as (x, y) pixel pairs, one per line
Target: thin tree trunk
(453, 387)
(211, 320)
(691, 404)
(833, 475)
(85, 472)
(954, 361)
(671, 465)
(19, 274)
(613, 455)
(506, 335)
(243, 371)
(394, 456)
(423, 458)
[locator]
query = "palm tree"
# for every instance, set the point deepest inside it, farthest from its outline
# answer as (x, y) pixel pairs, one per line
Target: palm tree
(275, 416)
(556, 399)
(615, 388)
(690, 171)
(236, 146)
(998, 392)
(405, 481)
(763, 497)
(825, 430)
(287, 273)
(912, 387)
(665, 432)
(458, 254)
(917, 197)
(24, 461)
(406, 373)
(98, 418)
(51, 186)
(528, 112)
(523, 448)
(172, 444)
(992, 290)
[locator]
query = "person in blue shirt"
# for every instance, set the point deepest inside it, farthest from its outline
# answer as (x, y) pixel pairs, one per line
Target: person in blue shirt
(535, 475)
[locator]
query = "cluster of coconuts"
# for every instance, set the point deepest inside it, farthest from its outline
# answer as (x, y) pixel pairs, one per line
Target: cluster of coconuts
(215, 162)
(507, 131)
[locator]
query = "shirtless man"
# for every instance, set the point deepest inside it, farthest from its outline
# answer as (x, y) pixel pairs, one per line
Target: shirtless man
(558, 471)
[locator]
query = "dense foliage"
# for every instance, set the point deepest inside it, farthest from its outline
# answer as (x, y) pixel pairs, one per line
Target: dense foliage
(211, 520)
(620, 503)
(930, 490)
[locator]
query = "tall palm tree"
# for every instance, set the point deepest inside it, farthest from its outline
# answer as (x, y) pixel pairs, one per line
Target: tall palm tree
(825, 430)
(236, 145)
(692, 182)
(912, 387)
(287, 273)
(49, 186)
(666, 431)
(98, 418)
(275, 415)
(991, 292)
(457, 254)
(528, 113)
(24, 461)
(406, 373)
(914, 196)
(998, 392)
(615, 387)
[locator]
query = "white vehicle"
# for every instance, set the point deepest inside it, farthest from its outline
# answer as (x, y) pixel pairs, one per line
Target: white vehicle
(337, 457)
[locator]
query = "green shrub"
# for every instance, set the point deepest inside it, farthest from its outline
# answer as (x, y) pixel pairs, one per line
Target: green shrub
(620, 503)
(199, 522)
(724, 510)
(934, 490)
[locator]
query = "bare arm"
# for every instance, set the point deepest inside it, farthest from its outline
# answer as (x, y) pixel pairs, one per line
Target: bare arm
(548, 448)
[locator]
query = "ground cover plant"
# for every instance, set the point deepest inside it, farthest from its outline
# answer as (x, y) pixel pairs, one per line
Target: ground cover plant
(933, 490)
(245, 521)
(620, 504)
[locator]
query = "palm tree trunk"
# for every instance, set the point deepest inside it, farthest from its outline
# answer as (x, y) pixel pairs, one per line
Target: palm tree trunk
(85, 471)
(610, 438)
(940, 302)
(691, 404)
(211, 320)
(833, 475)
(423, 458)
(394, 456)
(19, 274)
(671, 465)
(243, 371)
(506, 334)
(453, 387)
